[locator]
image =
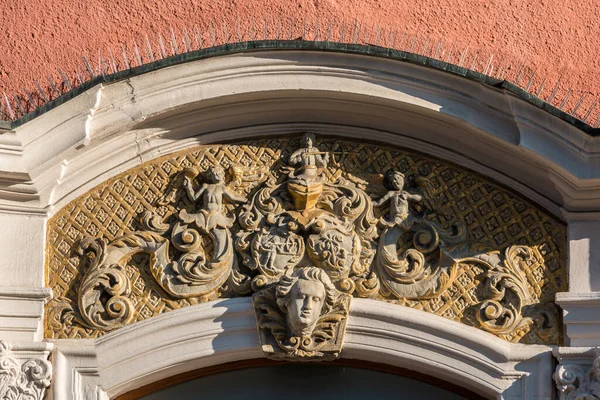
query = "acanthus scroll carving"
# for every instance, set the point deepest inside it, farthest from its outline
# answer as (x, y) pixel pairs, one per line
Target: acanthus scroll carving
(578, 382)
(240, 231)
(27, 380)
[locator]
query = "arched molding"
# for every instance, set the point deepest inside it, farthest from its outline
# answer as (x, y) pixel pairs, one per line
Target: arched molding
(224, 331)
(54, 158)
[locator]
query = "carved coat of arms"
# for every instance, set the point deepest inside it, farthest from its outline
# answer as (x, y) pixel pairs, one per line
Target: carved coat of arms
(303, 242)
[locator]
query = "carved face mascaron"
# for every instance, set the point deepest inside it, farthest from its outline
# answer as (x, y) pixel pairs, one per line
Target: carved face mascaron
(304, 307)
(303, 298)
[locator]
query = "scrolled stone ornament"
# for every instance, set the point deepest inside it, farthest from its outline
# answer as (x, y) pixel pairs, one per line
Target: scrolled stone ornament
(103, 301)
(508, 304)
(575, 382)
(302, 317)
(20, 380)
(425, 269)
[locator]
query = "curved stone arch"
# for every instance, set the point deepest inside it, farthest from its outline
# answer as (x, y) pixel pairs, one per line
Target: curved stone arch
(225, 331)
(115, 126)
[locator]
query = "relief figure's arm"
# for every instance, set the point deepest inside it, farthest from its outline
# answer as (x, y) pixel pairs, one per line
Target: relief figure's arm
(197, 195)
(296, 156)
(414, 196)
(233, 197)
(383, 199)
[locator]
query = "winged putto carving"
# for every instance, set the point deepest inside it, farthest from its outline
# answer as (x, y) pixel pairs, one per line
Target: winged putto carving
(303, 235)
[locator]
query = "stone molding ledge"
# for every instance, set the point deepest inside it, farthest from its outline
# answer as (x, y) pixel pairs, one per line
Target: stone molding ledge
(22, 311)
(577, 375)
(580, 317)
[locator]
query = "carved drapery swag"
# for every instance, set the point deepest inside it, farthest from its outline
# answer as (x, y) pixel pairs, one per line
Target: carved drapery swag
(243, 219)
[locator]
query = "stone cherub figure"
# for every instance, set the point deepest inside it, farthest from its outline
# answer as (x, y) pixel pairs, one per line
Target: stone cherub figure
(308, 159)
(303, 297)
(210, 213)
(400, 199)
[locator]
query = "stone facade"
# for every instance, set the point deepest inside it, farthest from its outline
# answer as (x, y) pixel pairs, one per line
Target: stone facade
(185, 219)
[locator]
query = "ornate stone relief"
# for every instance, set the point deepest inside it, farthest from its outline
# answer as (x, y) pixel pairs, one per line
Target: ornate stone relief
(283, 220)
(22, 379)
(578, 382)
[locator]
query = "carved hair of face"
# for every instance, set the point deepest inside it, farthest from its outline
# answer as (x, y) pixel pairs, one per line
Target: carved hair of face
(304, 297)
(396, 180)
(216, 174)
(309, 140)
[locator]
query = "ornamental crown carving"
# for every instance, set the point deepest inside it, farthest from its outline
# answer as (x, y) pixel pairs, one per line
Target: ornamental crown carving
(303, 229)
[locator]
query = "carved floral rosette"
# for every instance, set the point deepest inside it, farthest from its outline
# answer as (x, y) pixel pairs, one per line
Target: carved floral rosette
(216, 232)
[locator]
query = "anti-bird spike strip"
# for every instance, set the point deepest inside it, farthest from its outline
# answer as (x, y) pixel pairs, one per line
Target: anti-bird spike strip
(496, 65)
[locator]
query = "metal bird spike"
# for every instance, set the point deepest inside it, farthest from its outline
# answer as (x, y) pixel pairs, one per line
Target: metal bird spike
(317, 29)
(530, 81)
(539, 92)
(414, 42)
(19, 105)
(564, 102)
(425, 46)
(53, 85)
(520, 74)
(225, 33)
(212, 33)
(87, 67)
(587, 115)
(354, 37)
(329, 31)
(292, 24)
(41, 92)
(112, 62)
(136, 50)
(278, 28)
(463, 55)
(578, 104)
(186, 40)
(488, 64)
(199, 42)
(265, 28)
(8, 107)
(174, 46)
(65, 79)
(161, 46)
(125, 59)
(474, 64)
(149, 48)
(238, 31)
(437, 49)
(555, 90)
(79, 77)
(450, 51)
(30, 98)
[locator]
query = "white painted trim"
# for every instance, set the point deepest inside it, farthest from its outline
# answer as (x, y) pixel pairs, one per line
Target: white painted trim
(116, 126)
(225, 331)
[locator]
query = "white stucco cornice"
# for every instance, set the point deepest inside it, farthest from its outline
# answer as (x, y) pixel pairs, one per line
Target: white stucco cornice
(50, 160)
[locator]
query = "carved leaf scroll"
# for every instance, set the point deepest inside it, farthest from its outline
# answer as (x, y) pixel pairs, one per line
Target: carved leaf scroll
(204, 224)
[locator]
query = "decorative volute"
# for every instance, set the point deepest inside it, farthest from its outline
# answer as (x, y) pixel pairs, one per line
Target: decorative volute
(304, 229)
